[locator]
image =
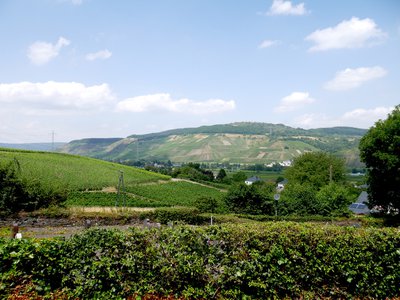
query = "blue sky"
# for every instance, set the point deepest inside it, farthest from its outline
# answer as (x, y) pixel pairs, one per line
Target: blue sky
(97, 68)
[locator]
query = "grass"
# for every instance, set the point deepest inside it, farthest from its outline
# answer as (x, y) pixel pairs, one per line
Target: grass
(91, 182)
(166, 194)
(172, 193)
(75, 173)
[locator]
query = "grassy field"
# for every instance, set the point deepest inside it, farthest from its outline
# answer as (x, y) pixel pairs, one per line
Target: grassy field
(164, 194)
(89, 181)
(75, 173)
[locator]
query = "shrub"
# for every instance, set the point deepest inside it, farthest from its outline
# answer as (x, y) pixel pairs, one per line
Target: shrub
(238, 261)
(184, 215)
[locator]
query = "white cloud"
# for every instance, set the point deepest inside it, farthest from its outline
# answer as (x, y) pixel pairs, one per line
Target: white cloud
(40, 53)
(102, 54)
(313, 121)
(360, 118)
(352, 78)
(354, 33)
(281, 7)
(294, 101)
(268, 43)
(164, 102)
(54, 96)
(362, 115)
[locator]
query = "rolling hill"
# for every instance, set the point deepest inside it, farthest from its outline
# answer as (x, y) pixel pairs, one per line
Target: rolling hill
(243, 142)
(94, 182)
(74, 173)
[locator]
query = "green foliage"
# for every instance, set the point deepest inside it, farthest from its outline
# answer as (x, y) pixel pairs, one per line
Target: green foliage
(193, 171)
(280, 260)
(221, 175)
(298, 199)
(333, 199)
(316, 186)
(239, 176)
(316, 169)
(18, 194)
(305, 200)
(207, 204)
(380, 151)
(185, 215)
(250, 199)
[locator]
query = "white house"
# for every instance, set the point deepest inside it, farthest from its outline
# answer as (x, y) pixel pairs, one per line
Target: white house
(251, 180)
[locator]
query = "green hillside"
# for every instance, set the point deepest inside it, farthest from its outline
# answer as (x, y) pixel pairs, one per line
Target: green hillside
(93, 182)
(74, 172)
(233, 143)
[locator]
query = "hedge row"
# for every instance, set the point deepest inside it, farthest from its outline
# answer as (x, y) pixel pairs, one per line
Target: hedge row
(257, 261)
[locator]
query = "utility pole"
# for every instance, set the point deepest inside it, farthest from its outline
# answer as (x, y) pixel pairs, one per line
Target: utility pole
(52, 141)
(121, 185)
(137, 149)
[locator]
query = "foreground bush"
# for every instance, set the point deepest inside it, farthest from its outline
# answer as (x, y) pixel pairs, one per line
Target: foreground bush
(260, 261)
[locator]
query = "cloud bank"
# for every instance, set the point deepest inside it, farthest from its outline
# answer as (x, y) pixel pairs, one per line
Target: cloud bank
(353, 33)
(164, 102)
(360, 118)
(55, 96)
(352, 78)
(40, 53)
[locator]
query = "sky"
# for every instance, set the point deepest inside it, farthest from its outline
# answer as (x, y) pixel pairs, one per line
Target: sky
(98, 68)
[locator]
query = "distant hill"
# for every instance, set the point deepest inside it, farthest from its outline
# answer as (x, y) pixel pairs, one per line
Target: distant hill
(243, 142)
(34, 146)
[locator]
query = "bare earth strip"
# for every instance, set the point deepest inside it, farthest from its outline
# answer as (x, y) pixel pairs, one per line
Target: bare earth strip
(109, 209)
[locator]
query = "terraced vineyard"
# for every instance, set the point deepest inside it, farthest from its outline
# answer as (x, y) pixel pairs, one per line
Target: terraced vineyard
(93, 182)
(251, 143)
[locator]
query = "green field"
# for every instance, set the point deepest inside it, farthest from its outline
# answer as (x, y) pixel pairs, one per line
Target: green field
(85, 178)
(148, 195)
(74, 173)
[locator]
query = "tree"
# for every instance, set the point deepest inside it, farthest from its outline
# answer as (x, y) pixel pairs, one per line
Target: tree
(250, 199)
(298, 199)
(380, 151)
(333, 199)
(221, 175)
(316, 169)
(239, 176)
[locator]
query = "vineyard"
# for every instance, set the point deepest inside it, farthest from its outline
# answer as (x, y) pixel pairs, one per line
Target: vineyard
(74, 173)
(165, 194)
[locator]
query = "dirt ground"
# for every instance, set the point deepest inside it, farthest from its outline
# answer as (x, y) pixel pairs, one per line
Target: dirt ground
(58, 227)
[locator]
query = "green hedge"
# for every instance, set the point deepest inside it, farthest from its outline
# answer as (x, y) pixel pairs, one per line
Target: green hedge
(182, 215)
(257, 261)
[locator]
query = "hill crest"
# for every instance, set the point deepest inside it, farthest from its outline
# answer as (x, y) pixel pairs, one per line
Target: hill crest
(241, 142)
